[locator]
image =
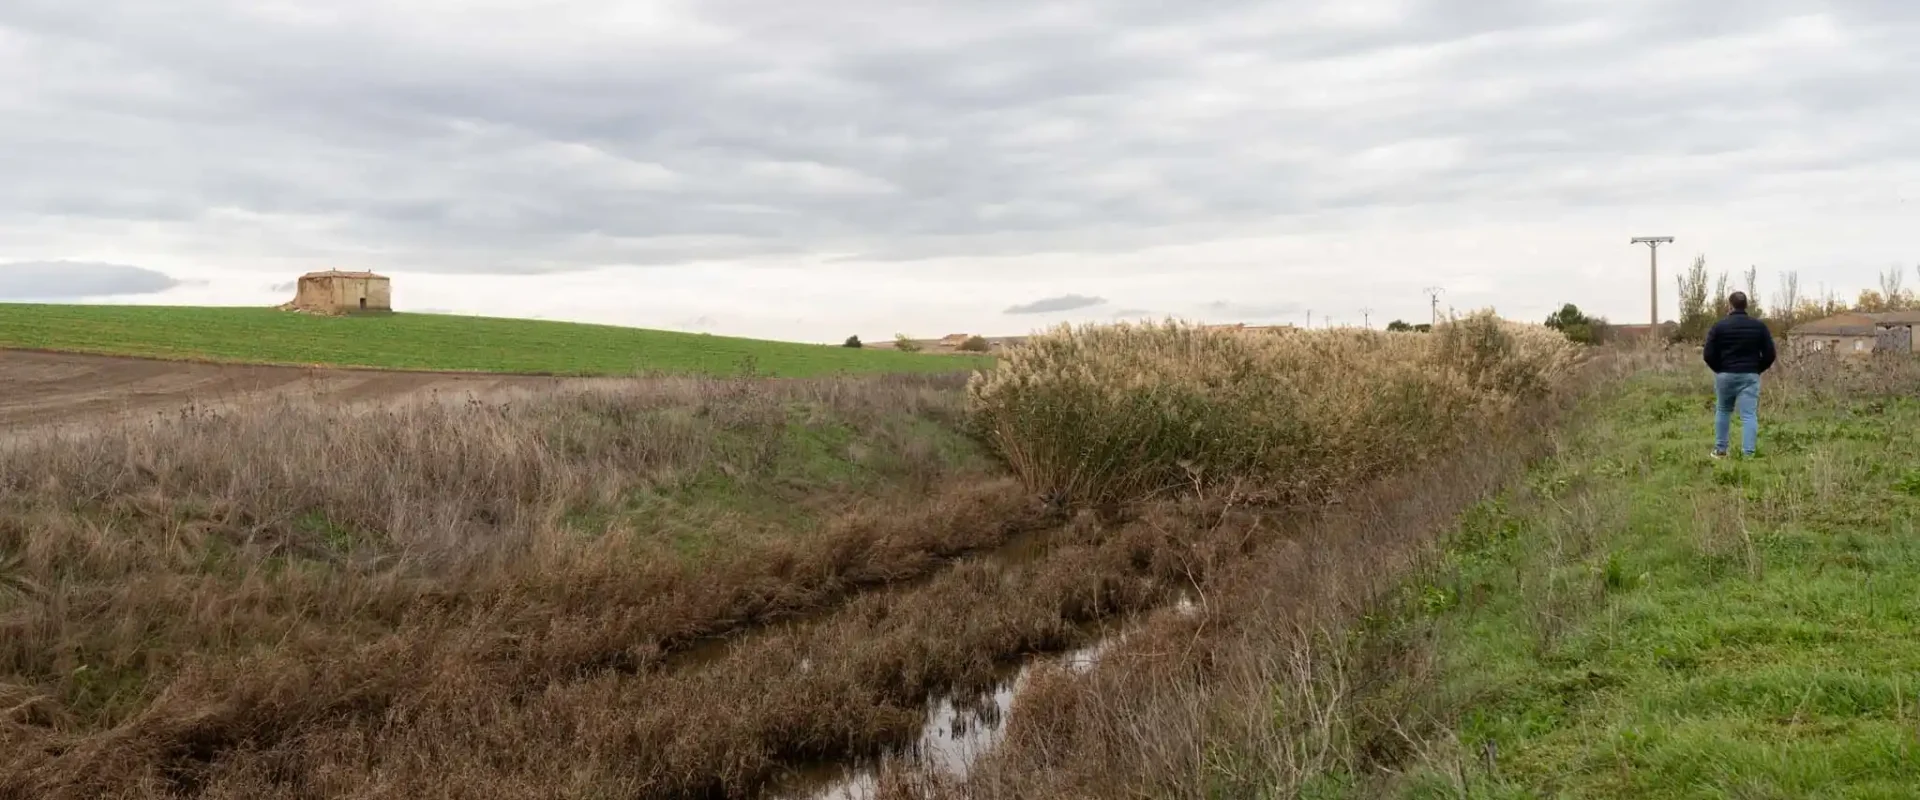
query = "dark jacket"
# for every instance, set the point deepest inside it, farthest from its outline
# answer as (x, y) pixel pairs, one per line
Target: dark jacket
(1739, 344)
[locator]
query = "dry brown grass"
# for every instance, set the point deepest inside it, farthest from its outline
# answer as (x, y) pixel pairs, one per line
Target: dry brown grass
(1292, 673)
(1266, 687)
(514, 600)
(210, 585)
(1833, 378)
(852, 684)
(844, 685)
(1119, 413)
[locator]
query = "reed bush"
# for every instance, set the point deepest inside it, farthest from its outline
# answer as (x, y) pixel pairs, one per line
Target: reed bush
(1116, 413)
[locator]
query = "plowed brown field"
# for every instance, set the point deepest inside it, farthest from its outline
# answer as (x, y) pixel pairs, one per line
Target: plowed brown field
(44, 389)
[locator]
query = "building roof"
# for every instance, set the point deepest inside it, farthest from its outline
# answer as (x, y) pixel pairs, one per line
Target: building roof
(1839, 325)
(334, 273)
(1896, 318)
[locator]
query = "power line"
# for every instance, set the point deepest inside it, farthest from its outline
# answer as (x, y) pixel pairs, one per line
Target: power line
(1433, 300)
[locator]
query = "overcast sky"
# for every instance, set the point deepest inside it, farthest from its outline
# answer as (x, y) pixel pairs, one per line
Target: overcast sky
(810, 170)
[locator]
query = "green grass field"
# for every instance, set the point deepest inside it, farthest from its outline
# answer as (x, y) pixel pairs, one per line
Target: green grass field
(1645, 622)
(431, 342)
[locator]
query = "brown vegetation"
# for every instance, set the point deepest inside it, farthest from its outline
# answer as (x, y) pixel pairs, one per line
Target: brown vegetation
(1184, 708)
(47, 388)
(178, 594)
(692, 588)
(1107, 414)
(1293, 671)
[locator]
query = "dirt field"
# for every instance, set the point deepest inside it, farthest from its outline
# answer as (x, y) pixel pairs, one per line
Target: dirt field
(38, 389)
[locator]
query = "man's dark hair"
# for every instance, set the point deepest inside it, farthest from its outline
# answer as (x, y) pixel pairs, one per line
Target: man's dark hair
(1738, 300)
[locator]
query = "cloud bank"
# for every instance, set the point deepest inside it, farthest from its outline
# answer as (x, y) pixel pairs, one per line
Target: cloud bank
(1324, 154)
(73, 281)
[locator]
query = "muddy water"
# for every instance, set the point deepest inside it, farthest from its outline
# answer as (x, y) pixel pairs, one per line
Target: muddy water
(959, 731)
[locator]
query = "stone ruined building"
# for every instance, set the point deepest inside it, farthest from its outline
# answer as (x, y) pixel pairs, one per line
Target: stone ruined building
(1857, 333)
(336, 292)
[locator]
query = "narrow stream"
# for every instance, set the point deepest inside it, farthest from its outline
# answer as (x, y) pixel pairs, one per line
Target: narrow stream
(961, 728)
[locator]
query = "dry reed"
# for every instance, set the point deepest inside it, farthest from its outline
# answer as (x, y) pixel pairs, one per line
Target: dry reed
(1118, 413)
(212, 583)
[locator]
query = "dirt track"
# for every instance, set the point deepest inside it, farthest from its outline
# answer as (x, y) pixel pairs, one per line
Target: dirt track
(45, 389)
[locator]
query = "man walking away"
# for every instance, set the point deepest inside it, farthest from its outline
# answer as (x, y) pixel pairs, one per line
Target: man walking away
(1738, 350)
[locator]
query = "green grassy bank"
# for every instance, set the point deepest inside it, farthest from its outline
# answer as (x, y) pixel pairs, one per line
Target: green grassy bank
(1645, 622)
(431, 342)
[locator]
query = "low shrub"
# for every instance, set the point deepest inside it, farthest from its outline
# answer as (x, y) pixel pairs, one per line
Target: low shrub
(1116, 413)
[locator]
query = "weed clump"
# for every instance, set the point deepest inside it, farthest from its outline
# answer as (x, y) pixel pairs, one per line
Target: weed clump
(1118, 413)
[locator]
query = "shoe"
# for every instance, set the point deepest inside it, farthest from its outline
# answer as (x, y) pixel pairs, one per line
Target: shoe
(1718, 454)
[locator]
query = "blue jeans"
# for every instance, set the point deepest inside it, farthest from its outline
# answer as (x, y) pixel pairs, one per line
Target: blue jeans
(1736, 390)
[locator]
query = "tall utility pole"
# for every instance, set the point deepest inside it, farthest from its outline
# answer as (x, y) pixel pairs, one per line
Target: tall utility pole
(1653, 275)
(1366, 318)
(1433, 300)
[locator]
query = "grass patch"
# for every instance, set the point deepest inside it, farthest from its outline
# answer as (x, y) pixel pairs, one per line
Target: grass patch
(432, 342)
(1643, 622)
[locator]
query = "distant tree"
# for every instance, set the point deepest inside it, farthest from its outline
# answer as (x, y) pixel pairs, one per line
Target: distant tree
(1721, 289)
(905, 343)
(1753, 292)
(853, 342)
(1424, 327)
(1821, 307)
(976, 344)
(1577, 326)
(1698, 310)
(1399, 326)
(1897, 297)
(1786, 302)
(1891, 295)
(1568, 315)
(1890, 286)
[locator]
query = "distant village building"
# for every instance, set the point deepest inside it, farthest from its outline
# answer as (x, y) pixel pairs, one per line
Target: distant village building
(954, 340)
(336, 292)
(1856, 333)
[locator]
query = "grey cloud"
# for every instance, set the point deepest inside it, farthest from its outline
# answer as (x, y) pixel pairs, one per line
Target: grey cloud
(1065, 302)
(284, 287)
(757, 129)
(68, 280)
